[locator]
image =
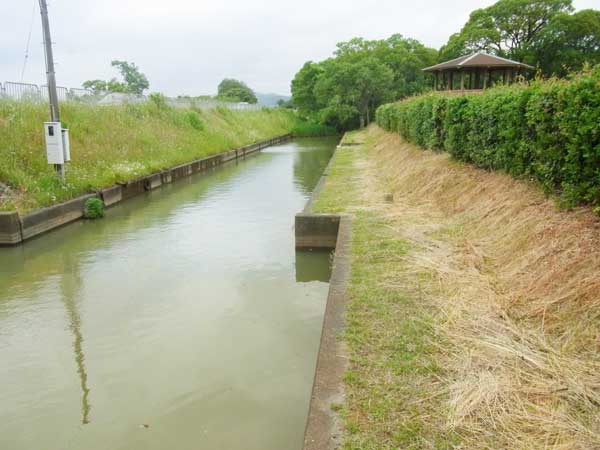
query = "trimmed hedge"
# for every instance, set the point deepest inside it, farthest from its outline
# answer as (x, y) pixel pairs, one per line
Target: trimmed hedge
(547, 130)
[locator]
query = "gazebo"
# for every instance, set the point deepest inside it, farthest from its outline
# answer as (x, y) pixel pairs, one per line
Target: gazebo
(476, 71)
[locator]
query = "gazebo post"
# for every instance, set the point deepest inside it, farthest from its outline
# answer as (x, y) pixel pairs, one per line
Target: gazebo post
(462, 80)
(451, 84)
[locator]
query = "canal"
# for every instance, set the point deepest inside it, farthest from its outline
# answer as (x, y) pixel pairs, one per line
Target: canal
(183, 320)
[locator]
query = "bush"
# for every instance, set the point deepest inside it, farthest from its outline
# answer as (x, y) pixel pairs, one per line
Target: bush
(547, 130)
(312, 129)
(194, 120)
(93, 208)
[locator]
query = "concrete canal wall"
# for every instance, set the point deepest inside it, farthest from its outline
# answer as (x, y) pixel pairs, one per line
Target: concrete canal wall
(327, 231)
(15, 229)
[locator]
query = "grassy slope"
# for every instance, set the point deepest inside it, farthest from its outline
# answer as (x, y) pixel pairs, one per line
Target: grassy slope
(472, 321)
(117, 143)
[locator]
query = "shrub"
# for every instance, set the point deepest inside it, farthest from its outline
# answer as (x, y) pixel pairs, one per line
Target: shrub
(93, 208)
(194, 120)
(546, 130)
(312, 129)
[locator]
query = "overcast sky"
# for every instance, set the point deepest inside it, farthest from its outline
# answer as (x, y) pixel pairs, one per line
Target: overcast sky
(188, 46)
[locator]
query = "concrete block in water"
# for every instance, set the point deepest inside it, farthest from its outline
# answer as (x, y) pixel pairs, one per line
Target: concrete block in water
(132, 188)
(10, 228)
(316, 230)
(166, 177)
(111, 195)
(152, 181)
(229, 156)
(182, 171)
(51, 217)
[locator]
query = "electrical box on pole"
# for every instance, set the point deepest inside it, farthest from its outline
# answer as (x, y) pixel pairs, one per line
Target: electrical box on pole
(56, 146)
(54, 143)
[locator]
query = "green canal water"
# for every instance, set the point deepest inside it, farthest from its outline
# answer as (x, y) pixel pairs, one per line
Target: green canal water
(184, 320)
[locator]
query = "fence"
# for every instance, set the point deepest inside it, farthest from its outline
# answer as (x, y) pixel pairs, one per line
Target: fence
(34, 93)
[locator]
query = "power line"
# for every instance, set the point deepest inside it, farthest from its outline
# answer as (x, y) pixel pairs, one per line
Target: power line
(28, 41)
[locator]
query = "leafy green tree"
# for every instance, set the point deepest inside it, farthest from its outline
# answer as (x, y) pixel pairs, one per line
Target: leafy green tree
(569, 42)
(406, 57)
(303, 85)
(134, 82)
(507, 28)
(235, 91)
(287, 104)
(344, 91)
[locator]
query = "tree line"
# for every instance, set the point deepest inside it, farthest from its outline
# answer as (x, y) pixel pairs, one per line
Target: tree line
(345, 90)
(133, 81)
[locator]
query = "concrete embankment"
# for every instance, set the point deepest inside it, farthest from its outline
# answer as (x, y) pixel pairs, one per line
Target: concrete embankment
(15, 229)
(327, 231)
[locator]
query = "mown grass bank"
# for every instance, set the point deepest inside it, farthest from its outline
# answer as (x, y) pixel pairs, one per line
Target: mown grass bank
(117, 143)
(472, 320)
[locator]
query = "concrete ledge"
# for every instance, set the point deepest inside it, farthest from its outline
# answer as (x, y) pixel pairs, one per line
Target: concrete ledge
(182, 171)
(316, 230)
(229, 156)
(324, 426)
(152, 181)
(132, 188)
(166, 177)
(51, 217)
(10, 228)
(112, 195)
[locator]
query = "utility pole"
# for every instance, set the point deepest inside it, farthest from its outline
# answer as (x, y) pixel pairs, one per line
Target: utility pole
(50, 75)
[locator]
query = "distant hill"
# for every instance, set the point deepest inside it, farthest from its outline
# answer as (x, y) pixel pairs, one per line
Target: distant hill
(270, 99)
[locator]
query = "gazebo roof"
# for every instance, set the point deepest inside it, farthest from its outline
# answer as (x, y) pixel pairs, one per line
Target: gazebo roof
(478, 59)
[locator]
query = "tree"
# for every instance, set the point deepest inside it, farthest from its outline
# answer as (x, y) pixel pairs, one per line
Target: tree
(134, 82)
(287, 104)
(569, 42)
(345, 90)
(508, 28)
(369, 85)
(303, 86)
(235, 91)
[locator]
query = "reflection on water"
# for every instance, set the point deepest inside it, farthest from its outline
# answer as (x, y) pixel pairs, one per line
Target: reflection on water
(313, 265)
(70, 283)
(187, 310)
(308, 168)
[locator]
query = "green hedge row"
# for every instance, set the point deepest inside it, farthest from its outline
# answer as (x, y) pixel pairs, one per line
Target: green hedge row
(546, 130)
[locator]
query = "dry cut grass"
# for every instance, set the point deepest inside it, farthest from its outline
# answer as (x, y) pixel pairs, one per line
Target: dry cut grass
(515, 286)
(473, 319)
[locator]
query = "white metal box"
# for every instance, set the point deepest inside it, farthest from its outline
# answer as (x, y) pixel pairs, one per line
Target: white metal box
(66, 144)
(54, 143)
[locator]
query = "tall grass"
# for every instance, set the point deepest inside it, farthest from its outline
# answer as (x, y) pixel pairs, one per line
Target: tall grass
(117, 143)
(312, 129)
